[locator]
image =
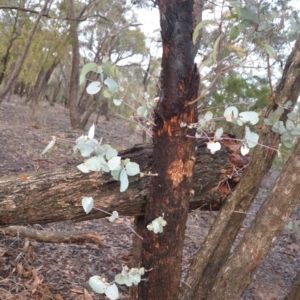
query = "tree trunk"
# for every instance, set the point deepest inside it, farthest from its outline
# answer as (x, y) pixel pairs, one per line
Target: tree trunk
(215, 250)
(53, 196)
(173, 153)
(258, 239)
(74, 78)
(23, 54)
(39, 91)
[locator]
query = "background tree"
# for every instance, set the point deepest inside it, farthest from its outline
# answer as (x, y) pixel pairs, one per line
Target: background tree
(24, 52)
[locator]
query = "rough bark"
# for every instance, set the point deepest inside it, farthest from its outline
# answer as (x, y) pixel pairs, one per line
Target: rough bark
(215, 250)
(258, 239)
(173, 153)
(53, 196)
(23, 54)
(47, 236)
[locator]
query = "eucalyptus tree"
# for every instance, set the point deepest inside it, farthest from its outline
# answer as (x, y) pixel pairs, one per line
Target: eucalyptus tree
(115, 36)
(246, 36)
(20, 60)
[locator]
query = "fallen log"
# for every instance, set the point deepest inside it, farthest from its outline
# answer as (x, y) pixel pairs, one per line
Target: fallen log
(52, 196)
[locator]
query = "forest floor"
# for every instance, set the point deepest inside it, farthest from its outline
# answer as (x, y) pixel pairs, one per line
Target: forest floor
(32, 270)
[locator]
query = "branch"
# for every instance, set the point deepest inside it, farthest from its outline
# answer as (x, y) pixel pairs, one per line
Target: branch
(47, 236)
(46, 14)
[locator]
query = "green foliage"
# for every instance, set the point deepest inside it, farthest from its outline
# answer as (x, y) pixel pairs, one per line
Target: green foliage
(104, 159)
(234, 89)
(199, 27)
(127, 277)
(100, 286)
(110, 85)
(288, 130)
(157, 225)
(130, 276)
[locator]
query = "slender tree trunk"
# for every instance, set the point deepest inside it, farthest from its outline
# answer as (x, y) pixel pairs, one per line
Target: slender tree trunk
(258, 239)
(74, 78)
(23, 54)
(173, 154)
(38, 92)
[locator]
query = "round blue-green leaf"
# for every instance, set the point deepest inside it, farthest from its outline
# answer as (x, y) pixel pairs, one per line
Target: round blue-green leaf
(111, 84)
(218, 134)
(289, 125)
(142, 110)
(117, 102)
(97, 284)
(136, 278)
(287, 104)
(120, 279)
(114, 163)
(292, 116)
(94, 163)
(93, 88)
(208, 116)
(287, 139)
(278, 127)
(83, 168)
(231, 113)
(124, 180)
(85, 150)
(132, 168)
(110, 153)
(249, 116)
(251, 138)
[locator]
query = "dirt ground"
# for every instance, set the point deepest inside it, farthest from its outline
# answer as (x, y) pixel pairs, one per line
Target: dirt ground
(31, 270)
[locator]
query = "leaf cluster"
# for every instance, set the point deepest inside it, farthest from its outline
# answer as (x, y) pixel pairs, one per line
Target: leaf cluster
(104, 159)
